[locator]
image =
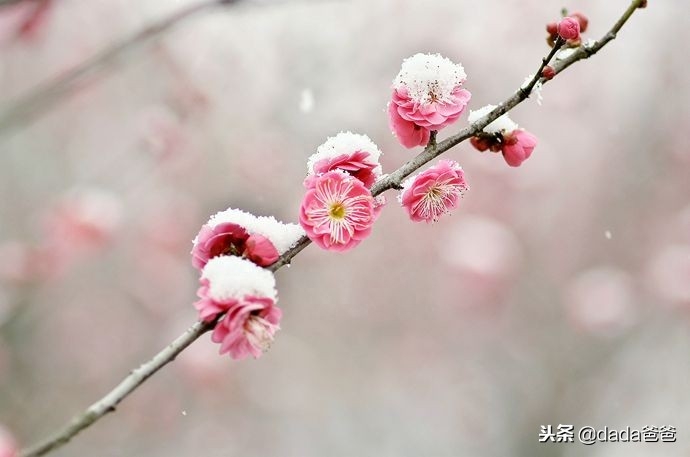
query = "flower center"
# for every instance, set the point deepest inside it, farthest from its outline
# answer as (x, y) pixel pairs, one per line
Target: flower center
(259, 332)
(337, 211)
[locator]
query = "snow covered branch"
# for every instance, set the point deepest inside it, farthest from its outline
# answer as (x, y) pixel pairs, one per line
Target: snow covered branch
(392, 181)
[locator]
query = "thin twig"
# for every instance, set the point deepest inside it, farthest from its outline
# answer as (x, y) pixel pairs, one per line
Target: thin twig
(137, 377)
(49, 93)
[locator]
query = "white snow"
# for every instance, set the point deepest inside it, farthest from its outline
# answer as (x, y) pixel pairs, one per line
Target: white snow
(429, 78)
(235, 277)
(502, 124)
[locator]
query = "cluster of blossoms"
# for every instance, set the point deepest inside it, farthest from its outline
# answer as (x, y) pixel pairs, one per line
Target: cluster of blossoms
(503, 135)
(339, 210)
(230, 250)
(568, 28)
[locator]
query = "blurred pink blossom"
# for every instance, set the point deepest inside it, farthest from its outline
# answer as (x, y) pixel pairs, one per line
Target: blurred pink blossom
(601, 301)
(8, 446)
(83, 219)
(669, 274)
(433, 192)
(24, 19)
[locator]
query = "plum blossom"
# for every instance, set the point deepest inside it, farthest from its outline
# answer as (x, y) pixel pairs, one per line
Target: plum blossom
(352, 153)
(238, 233)
(247, 294)
(337, 211)
(503, 135)
(427, 95)
(434, 192)
(408, 133)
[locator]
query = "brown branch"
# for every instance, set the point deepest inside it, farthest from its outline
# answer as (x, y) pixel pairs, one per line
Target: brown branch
(109, 402)
(48, 94)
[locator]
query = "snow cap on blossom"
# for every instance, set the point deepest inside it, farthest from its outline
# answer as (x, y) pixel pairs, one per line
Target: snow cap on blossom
(261, 239)
(428, 92)
(337, 211)
(350, 152)
(434, 192)
(227, 281)
(500, 125)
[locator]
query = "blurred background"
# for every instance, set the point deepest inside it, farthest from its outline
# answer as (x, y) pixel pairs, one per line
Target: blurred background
(559, 293)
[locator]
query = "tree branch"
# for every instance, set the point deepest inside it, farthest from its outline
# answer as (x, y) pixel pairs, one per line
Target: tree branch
(46, 95)
(109, 402)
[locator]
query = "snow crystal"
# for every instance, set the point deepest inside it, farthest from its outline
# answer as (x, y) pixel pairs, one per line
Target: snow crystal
(429, 78)
(345, 143)
(235, 277)
(502, 124)
(306, 101)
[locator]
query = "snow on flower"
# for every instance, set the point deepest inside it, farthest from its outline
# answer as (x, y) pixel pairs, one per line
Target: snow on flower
(247, 294)
(503, 135)
(434, 192)
(262, 239)
(337, 211)
(352, 153)
(428, 93)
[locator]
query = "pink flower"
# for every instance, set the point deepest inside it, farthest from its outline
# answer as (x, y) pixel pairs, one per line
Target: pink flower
(427, 95)
(231, 239)
(337, 211)
(349, 152)
(435, 114)
(433, 192)
(356, 164)
(237, 233)
(246, 294)
(248, 328)
(408, 133)
(569, 28)
(518, 146)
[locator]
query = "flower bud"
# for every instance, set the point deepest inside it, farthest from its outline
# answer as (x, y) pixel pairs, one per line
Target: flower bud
(582, 19)
(569, 28)
(643, 4)
(548, 73)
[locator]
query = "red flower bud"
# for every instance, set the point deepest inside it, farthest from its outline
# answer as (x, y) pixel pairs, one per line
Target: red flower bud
(548, 73)
(582, 19)
(569, 28)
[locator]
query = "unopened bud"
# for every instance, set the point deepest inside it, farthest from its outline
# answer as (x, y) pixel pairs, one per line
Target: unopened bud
(582, 19)
(643, 4)
(548, 72)
(569, 28)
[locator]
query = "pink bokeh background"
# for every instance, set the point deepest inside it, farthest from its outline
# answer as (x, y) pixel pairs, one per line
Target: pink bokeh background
(557, 293)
